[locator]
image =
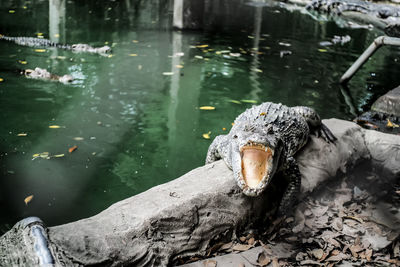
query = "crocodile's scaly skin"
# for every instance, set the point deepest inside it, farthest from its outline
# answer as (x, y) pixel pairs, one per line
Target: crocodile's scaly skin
(38, 42)
(277, 129)
(337, 7)
(43, 74)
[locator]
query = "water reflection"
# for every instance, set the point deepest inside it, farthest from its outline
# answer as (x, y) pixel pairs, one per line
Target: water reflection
(136, 127)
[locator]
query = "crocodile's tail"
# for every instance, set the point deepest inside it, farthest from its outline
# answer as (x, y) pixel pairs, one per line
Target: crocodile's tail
(35, 42)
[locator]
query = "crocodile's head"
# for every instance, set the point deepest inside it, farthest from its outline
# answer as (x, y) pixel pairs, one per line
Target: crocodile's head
(255, 158)
(87, 48)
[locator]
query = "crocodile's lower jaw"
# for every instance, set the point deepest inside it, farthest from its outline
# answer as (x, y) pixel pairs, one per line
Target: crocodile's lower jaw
(256, 166)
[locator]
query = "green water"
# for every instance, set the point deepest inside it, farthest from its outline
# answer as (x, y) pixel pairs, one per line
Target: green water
(136, 127)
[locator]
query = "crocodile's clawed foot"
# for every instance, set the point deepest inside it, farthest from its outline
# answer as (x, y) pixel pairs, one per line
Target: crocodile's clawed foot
(326, 134)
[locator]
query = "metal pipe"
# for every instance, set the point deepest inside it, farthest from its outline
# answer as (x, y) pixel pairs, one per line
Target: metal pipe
(375, 45)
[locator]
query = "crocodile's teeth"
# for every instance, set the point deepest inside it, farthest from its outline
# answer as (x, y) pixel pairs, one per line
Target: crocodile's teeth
(256, 163)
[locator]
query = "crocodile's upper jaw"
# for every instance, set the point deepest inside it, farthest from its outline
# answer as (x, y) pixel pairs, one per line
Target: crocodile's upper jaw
(257, 168)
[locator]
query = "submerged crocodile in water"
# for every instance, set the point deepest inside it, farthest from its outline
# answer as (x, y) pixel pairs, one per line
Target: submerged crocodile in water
(38, 42)
(43, 74)
(380, 13)
(263, 141)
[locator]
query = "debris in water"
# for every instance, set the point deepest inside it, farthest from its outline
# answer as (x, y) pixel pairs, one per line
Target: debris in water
(206, 135)
(207, 108)
(72, 149)
(28, 199)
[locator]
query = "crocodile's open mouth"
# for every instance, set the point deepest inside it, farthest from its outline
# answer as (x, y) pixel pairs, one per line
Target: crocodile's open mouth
(257, 162)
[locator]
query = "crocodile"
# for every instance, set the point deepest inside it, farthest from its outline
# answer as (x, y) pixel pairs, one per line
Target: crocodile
(263, 141)
(41, 42)
(337, 7)
(43, 74)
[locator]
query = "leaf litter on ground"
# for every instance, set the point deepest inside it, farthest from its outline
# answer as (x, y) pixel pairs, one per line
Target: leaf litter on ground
(337, 225)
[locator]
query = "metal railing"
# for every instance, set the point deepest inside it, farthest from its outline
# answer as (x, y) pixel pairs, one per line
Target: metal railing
(376, 44)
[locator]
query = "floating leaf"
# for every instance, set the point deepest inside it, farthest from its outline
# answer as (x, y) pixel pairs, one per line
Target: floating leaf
(1, 79)
(168, 73)
(249, 101)
(322, 50)
(54, 127)
(28, 199)
(40, 50)
(61, 57)
(256, 70)
(22, 134)
(56, 35)
(206, 135)
(11, 11)
(44, 155)
(72, 149)
(234, 101)
(391, 124)
(198, 57)
(78, 138)
(284, 44)
(23, 62)
(59, 156)
(224, 129)
(207, 108)
(110, 56)
(133, 55)
(263, 114)
(179, 66)
(39, 34)
(202, 46)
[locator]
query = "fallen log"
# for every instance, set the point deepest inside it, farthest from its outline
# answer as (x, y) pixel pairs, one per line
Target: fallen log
(184, 217)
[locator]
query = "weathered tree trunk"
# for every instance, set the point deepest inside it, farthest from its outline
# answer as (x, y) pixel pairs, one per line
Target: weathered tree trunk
(183, 217)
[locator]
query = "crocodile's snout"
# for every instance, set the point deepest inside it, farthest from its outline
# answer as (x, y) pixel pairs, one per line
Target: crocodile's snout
(256, 165)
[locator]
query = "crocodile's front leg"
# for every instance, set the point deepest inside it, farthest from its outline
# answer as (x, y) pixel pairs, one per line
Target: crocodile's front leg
(315, 123)
(213, 153)
(290, 170)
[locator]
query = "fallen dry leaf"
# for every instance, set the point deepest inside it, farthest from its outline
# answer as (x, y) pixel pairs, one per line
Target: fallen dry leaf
(368, 254)
(275, 262)
(317, 253)
(226, 246)
(241, 247)
(28, 199)
(207, 108)
(22, 134)
(72, 149)
(202, 46)
(210, 263)
(54, 126)
(251, 241)
(391, 124)
(206, 135)
(263, 259)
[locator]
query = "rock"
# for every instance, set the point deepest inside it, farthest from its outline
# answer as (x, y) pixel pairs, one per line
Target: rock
(389, 103)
